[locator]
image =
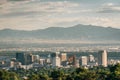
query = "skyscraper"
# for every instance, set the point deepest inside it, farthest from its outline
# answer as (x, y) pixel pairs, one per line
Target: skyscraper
(24, 58)
(83, 60)
(91, 58)
(56, 59)
(102, 58)
(72, 60)
(63, 56)
(48, 60)
(35, 58)
(21, 57)
(28, 58)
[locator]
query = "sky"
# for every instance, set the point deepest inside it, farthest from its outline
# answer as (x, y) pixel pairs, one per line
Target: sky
(41, 14)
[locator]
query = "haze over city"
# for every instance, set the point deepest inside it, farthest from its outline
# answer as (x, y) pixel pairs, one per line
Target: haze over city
(40, 14)
(59, 40)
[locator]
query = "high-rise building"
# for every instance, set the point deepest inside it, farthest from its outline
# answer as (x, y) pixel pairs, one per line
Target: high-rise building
(35, 58)
(77, 63)
(56, 59)
(91, 58)
(48, 60)
(63, 56)
(24, 58)
(102, 58)
(72, 60)
(83, 61)
(21, 58)
(42, 61)
(28, 58)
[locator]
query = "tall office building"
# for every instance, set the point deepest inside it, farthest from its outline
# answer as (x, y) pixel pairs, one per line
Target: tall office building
(24, 58)
(63, 56)
(91, 58)
(28, 58)
(72, 60)
(35, 58)
(102, 58)
(48, 60)
(56, 59)
(21, 57)
(83, 61)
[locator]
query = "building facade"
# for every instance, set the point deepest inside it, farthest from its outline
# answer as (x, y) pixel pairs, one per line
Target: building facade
(102, 58)
(24, 58)
(63, 56)
(56, 59)
(83, 60)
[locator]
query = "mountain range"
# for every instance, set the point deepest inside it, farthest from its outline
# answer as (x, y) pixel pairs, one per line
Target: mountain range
(77, 32)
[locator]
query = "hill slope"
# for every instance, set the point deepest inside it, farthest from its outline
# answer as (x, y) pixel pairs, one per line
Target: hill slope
(78, 32)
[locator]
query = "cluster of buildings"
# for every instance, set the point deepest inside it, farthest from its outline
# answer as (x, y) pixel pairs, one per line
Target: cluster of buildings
(57, 59)
(26, 60)
(91, 61)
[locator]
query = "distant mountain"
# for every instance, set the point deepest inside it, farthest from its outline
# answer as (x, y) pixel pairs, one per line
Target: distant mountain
(77, 32)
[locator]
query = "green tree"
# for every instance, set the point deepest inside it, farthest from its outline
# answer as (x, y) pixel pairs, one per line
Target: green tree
(80, 69)
(1, 75)
(13, 76)
(57, 74)
(115, 72)
(43, 77)
(34, 77)
(69, 77)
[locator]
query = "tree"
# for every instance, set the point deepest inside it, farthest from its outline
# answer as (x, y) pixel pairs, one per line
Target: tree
(43, 77)
(115, 72)
(13, 76)
(57, 74)
(80, 69)
(69, 77)
(1, 75)
(34, 77)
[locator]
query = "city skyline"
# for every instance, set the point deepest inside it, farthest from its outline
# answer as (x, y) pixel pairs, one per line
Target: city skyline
(40, 14)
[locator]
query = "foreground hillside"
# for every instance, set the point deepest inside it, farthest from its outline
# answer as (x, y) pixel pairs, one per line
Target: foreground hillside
(96, 73)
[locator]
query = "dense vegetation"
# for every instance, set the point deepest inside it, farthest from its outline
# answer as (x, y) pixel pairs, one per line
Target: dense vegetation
(96, 73)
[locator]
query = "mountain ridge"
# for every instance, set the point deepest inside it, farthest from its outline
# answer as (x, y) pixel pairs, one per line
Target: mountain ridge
(78, 25)
(77, 32)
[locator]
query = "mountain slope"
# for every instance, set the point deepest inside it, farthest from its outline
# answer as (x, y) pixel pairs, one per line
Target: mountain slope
(78, 32)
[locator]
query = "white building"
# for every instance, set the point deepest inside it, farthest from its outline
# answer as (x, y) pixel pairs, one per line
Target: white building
(35, 58)
(56, 59)
(83, 60)
(48, 60)
(91, 58)
(27, 66)
(42, 61)
(102, 58)
(63, 56)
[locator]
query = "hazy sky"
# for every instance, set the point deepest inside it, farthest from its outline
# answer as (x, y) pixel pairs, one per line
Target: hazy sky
(40, 14)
